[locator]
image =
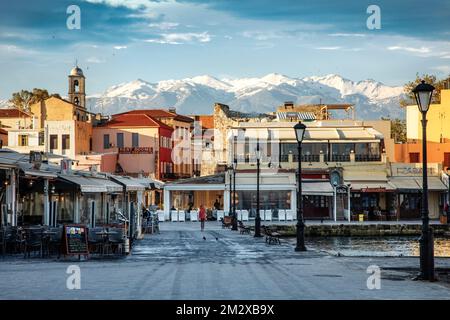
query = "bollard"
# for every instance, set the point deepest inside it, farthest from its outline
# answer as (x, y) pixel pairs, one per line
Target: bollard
(431, 255)
(127, 246)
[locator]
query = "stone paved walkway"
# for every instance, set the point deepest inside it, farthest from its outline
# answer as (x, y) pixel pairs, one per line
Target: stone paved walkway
(179, 264)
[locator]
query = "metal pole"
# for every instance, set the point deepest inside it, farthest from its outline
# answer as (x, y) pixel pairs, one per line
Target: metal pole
(229, 210)
(426, 247)
(234, 227)
(300, 223)
(348, 202)
(335, 204)
(258, 218)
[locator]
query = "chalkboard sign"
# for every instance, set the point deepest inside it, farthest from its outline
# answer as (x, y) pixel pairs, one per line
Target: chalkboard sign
(75, 240)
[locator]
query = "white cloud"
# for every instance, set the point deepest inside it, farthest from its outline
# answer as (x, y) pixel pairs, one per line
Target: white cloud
(410, 49)
(347, 35)
(120, 47)
(329, 48)
(180, 38)
(95, 60)
(164, 25)
(16, 50)
(443, 69)
(261, 35)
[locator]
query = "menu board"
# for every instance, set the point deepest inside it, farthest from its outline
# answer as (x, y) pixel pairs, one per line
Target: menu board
(75, 238)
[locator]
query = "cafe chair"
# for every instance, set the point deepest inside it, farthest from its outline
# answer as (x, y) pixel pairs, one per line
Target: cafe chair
(281, 215)
(244, 215)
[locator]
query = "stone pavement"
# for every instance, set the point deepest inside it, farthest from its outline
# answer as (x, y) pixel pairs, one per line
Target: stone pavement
(179, 264)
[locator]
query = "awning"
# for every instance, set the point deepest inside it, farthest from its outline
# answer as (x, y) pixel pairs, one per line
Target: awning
(415, 184)
(111, 186)
(150, 183)
(86, 184)
(371, 186)
(28, 170)
(321, 134)
(434, 184)
(130, 184)
(319, 188)
(355, 133)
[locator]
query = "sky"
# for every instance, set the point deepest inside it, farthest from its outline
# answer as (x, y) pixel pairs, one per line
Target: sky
(123, 40)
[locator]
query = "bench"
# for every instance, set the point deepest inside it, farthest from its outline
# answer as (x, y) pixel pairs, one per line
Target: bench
(271, 236)
(243, 228)
(226, 222)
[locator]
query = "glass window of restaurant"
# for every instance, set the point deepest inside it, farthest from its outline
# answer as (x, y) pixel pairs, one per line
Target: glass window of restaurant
(341, 151)
(364, 201)
(31, 209)
(65, 207)
(268, 199)
(88, 200)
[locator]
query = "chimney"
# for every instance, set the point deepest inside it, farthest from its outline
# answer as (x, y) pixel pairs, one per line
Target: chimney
(173, 110)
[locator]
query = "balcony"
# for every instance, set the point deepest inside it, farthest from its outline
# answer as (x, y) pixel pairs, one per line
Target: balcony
(367, 157)
(340, 158)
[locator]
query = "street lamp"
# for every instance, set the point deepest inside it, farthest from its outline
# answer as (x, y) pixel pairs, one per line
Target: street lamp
(258, 217)
(423, 93)
(235, 223)
(300, 129)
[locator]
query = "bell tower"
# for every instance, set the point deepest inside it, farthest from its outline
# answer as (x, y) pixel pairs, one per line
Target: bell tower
(77, 93)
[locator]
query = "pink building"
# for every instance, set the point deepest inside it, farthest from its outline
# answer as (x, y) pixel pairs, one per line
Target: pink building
(141, 143)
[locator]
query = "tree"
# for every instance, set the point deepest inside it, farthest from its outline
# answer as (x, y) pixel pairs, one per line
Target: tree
(398, 130)
(24, 99)
(430, 79)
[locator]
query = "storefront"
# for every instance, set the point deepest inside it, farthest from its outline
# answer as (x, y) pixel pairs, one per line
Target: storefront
(409, 196)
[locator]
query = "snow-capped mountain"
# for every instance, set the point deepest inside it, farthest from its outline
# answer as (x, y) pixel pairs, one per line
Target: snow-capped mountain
(197, 95)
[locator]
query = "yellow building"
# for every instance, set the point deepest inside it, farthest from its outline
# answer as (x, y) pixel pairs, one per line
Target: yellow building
(438, 116)
(58, 126)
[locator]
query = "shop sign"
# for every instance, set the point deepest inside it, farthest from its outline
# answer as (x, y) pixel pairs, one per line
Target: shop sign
(137, 150)
(75, 240)
(374, 190)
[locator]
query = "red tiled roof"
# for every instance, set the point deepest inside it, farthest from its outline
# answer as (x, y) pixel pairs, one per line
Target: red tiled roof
(159, 113)
(12, 113)
(206, 120)
(134, 120)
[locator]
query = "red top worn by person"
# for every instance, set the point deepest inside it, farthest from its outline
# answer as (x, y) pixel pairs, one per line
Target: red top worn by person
(202, 214)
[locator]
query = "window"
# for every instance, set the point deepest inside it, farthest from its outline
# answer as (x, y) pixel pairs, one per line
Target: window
(23, 140)
(135, 140)
(53, 141)
(106, 141)
(41, 138)
(120, 140)
(414, 157)
(446, 159)
(65, 141)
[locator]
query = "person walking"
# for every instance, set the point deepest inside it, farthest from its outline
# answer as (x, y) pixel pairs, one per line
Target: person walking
(202, 217)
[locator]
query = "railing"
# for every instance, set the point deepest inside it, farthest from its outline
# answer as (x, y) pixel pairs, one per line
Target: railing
(340, 158)
(367, 157)
(305, 158)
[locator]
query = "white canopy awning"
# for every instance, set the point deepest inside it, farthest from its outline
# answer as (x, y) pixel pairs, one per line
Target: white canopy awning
(415, 183)
(86, 184)
(317, 188)
(130, 184)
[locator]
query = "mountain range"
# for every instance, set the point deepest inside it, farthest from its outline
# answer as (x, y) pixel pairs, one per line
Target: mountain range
(197, 95)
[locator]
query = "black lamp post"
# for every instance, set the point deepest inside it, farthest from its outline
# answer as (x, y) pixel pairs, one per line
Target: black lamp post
(423, 93)
(231, 188)
(258, 217)
(235, 220)
(300, 129)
